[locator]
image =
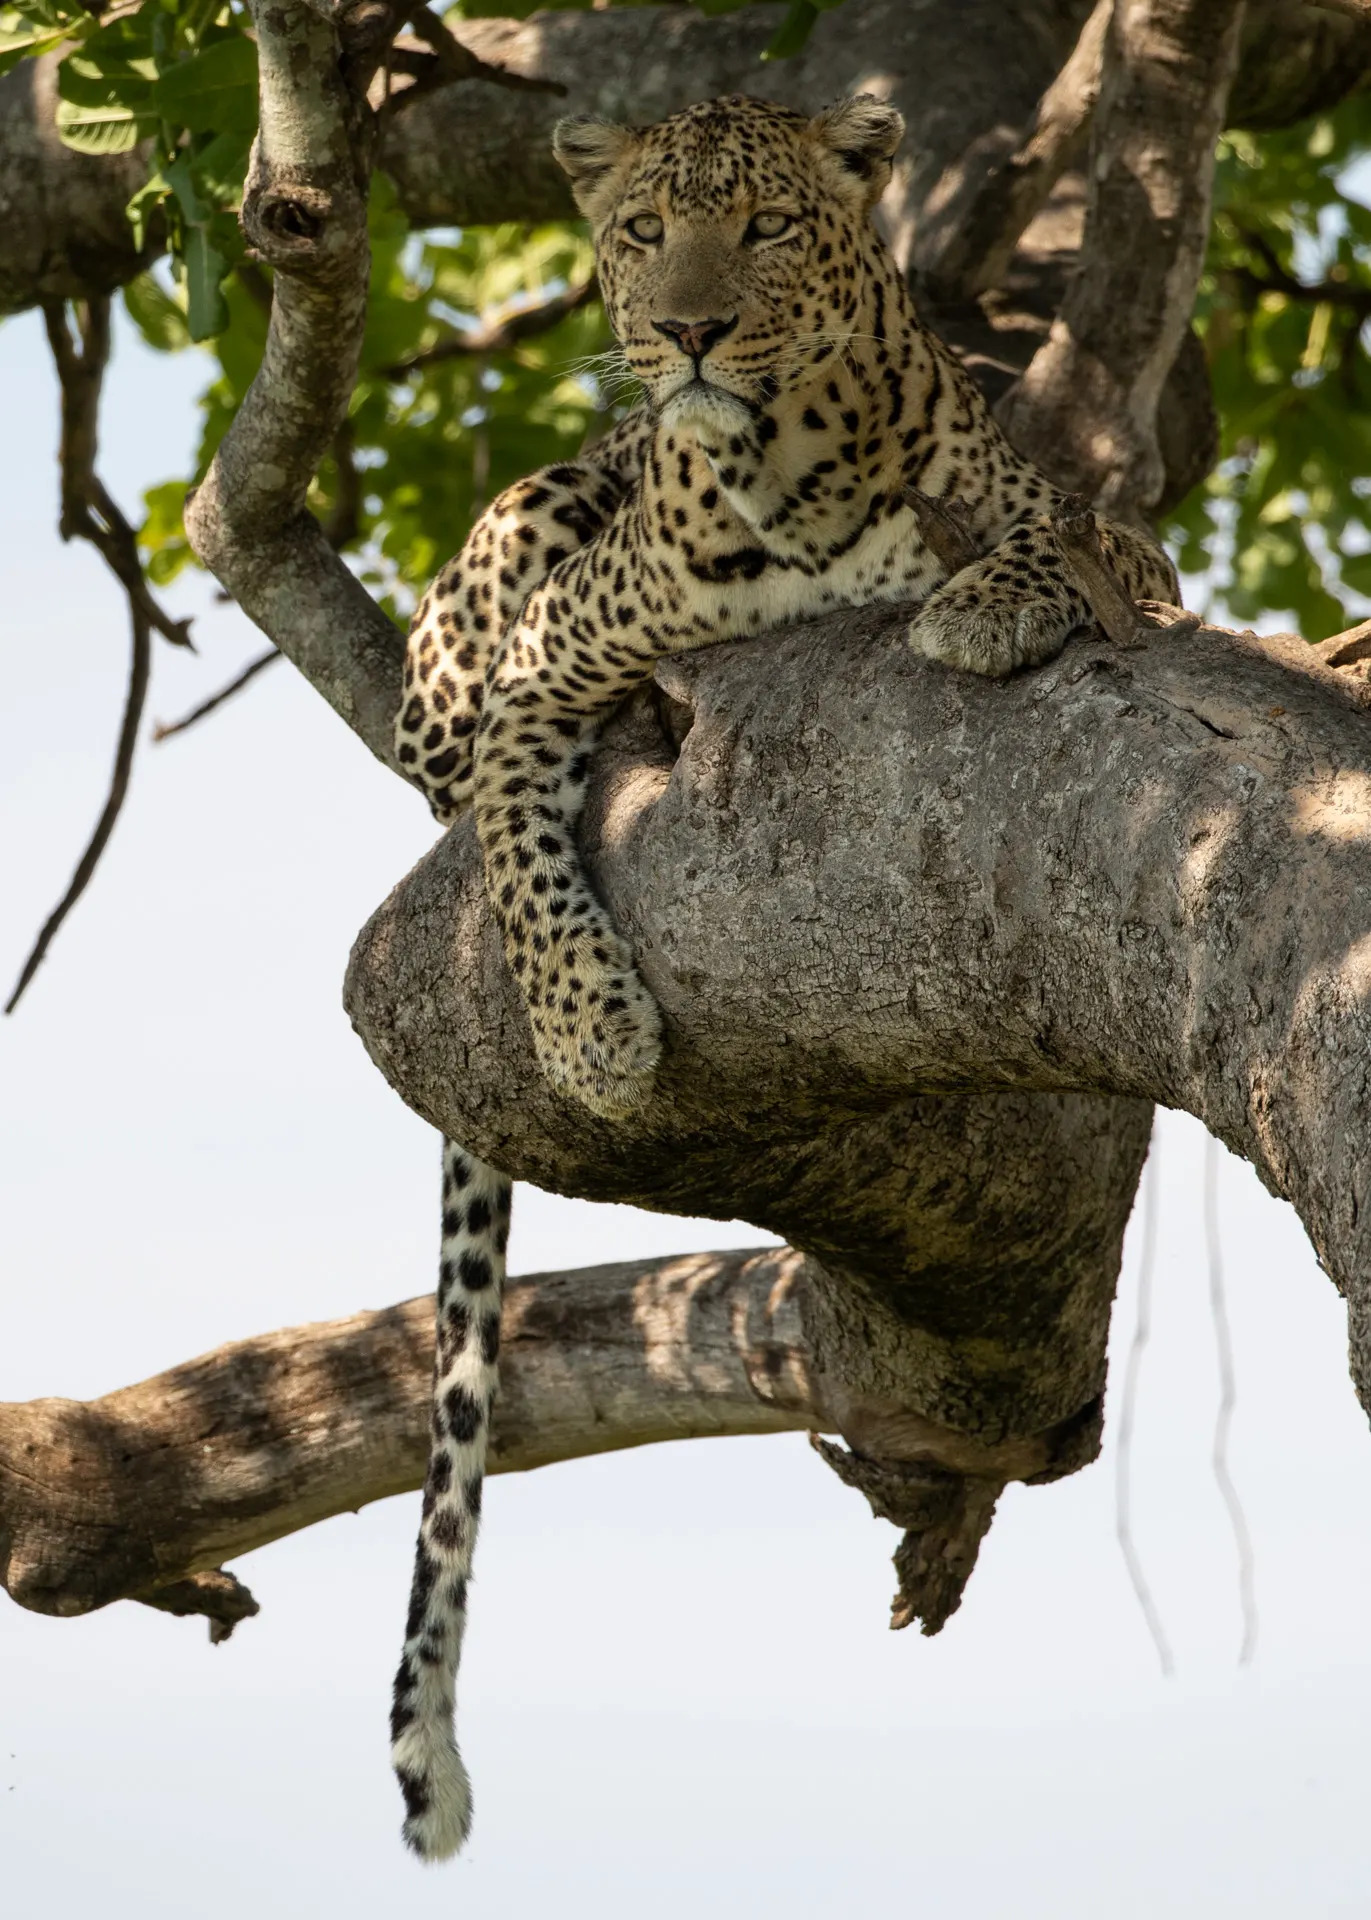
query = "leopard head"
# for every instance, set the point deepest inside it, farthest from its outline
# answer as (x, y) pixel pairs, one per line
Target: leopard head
(734, 243)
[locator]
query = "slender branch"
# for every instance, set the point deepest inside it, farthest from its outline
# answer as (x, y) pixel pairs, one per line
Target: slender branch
(1278, 279)
(140, 665)
(971, 229)
(448, 61)
(497, 332)
(88, 513)
(1086, 407)
(167, 731)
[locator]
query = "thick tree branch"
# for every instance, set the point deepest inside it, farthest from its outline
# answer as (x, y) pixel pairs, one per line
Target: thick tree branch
(143, 1493)
(907, 929)
(1091, 393)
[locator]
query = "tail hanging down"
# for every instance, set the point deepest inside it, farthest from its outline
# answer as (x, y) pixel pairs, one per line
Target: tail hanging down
(423, 1745)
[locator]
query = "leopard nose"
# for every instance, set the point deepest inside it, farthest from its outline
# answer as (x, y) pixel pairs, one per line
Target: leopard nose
(696, 337)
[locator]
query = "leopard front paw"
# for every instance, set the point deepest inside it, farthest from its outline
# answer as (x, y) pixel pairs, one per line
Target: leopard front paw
(962, 628)
(598, 1033)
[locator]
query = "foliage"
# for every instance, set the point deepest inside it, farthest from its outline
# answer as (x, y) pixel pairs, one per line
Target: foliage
(1283, 311)
(181, 73)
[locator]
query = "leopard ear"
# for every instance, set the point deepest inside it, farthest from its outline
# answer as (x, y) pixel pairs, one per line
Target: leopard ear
(861, 134)
(591, 152)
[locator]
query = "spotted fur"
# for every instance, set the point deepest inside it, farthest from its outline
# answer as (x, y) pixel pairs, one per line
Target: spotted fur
(792, 396)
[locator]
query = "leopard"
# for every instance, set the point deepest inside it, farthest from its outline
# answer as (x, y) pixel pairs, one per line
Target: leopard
(793, 402)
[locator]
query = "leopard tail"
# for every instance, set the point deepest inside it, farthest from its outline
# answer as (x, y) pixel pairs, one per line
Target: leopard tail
(424, 1749)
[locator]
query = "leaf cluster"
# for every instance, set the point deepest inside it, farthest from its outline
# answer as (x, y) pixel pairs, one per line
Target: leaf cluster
(181, 74)
(1283, 310)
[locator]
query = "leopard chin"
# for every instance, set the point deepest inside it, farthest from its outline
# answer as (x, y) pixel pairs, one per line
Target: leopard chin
(700, 405)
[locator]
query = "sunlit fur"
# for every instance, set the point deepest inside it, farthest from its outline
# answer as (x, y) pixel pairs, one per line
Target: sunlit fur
(792, 397)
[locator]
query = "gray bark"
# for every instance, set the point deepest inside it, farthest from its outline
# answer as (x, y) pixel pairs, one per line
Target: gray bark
(139, 1491)
(924, 947)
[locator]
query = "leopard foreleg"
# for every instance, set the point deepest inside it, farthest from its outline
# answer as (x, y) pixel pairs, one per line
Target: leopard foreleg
(1018, 606)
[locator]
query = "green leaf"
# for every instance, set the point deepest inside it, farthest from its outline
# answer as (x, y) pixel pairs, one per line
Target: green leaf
(162, 535)
(1356, 573)
(109, 129)
(21, 39)
(220, 167)
(150, 196)
(206, 310)
(156, 315)
(215, 90)
(105, 88)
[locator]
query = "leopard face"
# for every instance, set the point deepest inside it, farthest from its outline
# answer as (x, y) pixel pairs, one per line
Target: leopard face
(728, 241)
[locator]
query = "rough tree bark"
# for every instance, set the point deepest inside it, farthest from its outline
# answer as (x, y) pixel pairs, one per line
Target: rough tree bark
(927, 950)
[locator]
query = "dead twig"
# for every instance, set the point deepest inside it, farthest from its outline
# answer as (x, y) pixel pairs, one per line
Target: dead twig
(944, 525)
(498, 332)
(1123, 620)
(139, 672)
(165, 731)
(88, 513)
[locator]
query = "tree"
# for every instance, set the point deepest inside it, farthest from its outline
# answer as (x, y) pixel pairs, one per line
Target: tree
(1003, 965)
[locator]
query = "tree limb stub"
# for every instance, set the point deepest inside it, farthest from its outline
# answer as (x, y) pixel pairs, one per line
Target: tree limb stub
(142, 1494)
(1092, 390)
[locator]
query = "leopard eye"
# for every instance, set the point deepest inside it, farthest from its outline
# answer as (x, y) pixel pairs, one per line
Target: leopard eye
(768, 226)
(646, 228)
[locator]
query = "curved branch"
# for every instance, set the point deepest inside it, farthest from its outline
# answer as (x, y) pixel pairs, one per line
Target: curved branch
(906, 929)
(1092, 390)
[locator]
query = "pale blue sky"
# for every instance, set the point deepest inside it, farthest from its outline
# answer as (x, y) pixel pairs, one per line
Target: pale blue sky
(679, 1689)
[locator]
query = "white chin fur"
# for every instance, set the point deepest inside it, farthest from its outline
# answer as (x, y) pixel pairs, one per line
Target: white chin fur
(701, 406)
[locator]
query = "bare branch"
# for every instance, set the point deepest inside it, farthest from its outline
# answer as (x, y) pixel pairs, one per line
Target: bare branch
(139, 670)
(88, 513)
(167, 731)
(449, 61)
(497, 332)
(1087, 405)
(144, 1493)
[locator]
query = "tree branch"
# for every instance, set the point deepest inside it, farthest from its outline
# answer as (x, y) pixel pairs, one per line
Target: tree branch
(497, 332)
(305, 213)
(89, 513)
(977, 214)
(143, 1493)
(1091, 392)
